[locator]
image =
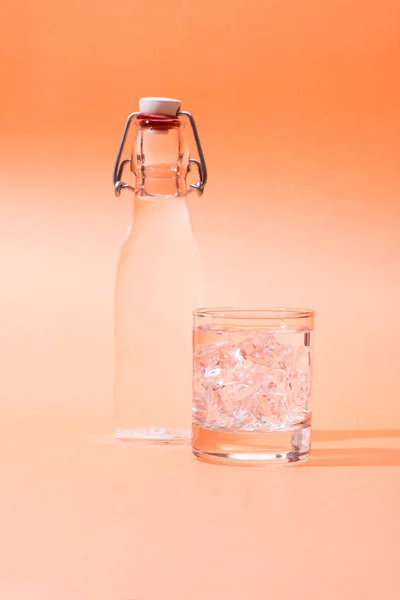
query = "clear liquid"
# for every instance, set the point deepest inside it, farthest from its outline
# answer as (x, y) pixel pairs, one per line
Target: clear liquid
(159, 283)
(251, 394)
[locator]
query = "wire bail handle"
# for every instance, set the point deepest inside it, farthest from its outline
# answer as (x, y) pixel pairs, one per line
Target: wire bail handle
(120, 165)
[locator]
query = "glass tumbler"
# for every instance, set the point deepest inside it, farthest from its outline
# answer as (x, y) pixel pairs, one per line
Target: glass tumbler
(252, 377)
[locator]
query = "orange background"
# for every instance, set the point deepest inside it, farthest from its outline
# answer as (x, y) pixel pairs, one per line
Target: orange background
(297, 104)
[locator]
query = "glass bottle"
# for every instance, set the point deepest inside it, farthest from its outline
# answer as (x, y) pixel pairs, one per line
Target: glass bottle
(159, 280)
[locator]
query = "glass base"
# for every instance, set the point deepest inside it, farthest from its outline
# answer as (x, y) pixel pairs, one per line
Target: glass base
(252, 448)
(154, 435)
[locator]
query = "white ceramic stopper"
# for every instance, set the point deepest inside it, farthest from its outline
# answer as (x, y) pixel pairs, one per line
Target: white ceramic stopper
(160, 106)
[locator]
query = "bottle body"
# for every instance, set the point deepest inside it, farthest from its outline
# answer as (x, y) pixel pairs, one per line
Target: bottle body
(159, 283)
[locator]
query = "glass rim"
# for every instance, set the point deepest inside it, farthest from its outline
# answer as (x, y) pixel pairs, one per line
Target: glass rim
(255, 313)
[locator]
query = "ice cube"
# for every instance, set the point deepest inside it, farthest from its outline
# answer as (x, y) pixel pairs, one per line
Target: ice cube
(273, 410)
(199, 408)
(208, 355)
(273, 380)
(211, 371)
(300, 390)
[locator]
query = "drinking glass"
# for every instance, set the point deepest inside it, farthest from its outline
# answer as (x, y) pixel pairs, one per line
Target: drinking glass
(252, 378)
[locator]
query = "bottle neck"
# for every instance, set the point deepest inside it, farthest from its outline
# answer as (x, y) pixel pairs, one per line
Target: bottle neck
(156, 185)
(160, 159)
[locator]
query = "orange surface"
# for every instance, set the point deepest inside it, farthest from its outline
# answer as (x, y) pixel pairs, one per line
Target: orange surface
(297, 106)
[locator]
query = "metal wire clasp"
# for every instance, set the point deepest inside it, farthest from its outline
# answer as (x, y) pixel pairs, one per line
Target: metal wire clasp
(119, 165)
